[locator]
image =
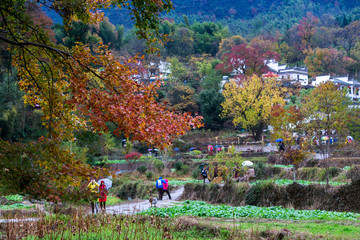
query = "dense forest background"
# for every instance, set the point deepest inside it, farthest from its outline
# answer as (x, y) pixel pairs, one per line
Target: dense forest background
(249, 18)
(321, 34)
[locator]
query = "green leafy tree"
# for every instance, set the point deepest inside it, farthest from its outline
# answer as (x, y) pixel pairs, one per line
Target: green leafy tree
(178, 70)
(210, 101)
(107, 32)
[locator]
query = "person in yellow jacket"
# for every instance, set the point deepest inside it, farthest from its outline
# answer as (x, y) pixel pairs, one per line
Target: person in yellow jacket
(93, 188)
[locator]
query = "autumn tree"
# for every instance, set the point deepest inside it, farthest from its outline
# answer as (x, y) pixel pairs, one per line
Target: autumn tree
(327, 109)
(306, 30)
(327, 61)
(227, 44)
(249, 103)
(287, 122)
(182, 98)
(246, 60)
(80, 87)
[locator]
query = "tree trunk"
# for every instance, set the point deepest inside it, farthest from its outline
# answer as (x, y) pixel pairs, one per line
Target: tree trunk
(258, 133)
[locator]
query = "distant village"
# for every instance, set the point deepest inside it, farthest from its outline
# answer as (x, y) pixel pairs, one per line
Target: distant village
(290, 77)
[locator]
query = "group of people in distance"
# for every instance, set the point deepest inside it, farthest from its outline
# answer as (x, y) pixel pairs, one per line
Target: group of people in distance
(162, 186)
(97, 193)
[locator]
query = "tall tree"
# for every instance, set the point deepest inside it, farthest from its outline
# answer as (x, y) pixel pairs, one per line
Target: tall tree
(287, 122)
(247, 60)
(328, 110)
(210, 101)
(306, 30)
(327, 61)
(86, 88)
(250, 103)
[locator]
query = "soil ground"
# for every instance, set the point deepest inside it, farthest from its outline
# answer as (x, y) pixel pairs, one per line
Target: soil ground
(132, 208)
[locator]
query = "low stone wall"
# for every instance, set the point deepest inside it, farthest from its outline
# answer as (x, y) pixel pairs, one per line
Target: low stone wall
(297, 196)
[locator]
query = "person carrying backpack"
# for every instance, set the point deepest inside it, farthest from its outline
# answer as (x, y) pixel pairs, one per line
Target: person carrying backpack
(204, 173)
(165, 188)
(160, 187)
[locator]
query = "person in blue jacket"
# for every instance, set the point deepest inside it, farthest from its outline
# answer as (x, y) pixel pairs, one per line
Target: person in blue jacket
(160, 187)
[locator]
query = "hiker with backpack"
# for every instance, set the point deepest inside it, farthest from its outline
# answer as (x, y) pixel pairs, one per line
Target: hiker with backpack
(160, 186)
(204, 173)
(166, 188)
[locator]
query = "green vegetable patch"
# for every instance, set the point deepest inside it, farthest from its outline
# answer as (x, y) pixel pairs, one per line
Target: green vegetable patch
(202, 209)
(179, 182)
(15, 198)
(15, 206)
(303, 182)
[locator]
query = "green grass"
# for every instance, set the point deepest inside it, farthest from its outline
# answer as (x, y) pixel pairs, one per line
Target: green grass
(257, 159)
(15, 206)
(331, 229)
(113, 200)
(282, 166)
(121, 161)
(303, 182)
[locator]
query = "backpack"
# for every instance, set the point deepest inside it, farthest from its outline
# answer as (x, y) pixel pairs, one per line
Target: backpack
(204, 173)
(159, 183)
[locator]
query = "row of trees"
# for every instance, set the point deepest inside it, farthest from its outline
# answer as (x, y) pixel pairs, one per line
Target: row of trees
(324, 47)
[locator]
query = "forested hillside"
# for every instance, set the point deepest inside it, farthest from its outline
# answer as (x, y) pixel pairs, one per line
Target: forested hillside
(250, 18)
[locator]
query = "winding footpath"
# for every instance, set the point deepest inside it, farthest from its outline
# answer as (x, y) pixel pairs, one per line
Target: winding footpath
(132, 208)
(128, 208)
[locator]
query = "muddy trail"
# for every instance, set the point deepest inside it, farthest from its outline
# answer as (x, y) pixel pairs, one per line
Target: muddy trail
(130, 208)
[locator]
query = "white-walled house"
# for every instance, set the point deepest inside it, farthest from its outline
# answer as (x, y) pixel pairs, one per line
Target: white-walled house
(352, 87)
(294, 74)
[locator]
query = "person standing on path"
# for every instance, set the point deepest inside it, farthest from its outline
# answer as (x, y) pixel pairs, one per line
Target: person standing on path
(103, 194)
(204, 173)
(165, 188)
(160, 187)
(93, 188)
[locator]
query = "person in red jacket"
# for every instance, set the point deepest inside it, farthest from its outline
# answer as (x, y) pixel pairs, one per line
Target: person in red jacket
(165, 188)
(103, 196)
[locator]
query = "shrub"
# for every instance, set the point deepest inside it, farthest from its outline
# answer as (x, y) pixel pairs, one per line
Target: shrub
(117, 182)
(353, 173)
(159, 165)
(272, 159)
(260, 170)
(141, 169)
(133, 156)
(256, 193)
(178, 166)
(334, 171)
(195, 173)
(149, 175)
(184, 170)
(146, 158)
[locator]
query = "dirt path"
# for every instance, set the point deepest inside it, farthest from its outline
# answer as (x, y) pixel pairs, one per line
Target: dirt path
(131, 208)
(126, 208)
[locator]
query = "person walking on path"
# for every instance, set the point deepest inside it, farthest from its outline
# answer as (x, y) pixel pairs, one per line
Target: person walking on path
(204, 173)
(93, 188)
(103, 194)
(160, 187)
(165, 188)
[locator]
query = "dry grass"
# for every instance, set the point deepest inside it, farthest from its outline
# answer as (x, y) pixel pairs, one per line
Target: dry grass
(79, 226)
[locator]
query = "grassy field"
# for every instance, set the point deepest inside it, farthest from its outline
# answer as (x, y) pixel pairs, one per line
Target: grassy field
(327, 229)
(96, 227)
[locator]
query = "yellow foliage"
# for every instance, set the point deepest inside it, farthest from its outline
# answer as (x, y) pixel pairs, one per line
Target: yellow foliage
(249, 103)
